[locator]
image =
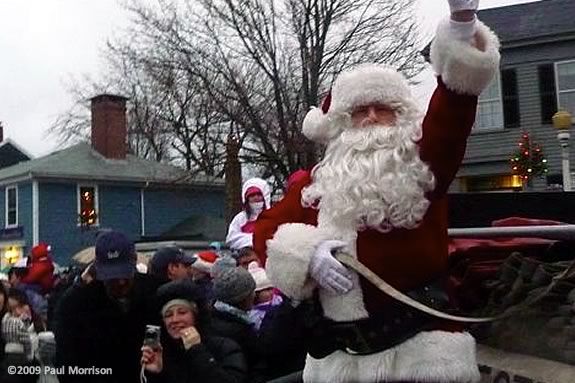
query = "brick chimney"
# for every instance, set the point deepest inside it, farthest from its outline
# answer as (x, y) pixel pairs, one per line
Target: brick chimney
(109, 127)
(1, 132)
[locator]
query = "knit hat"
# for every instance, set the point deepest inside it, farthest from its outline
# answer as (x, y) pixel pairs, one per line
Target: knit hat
(179, 290)
(260, 276)
(186, 290)
(40, 252)
(231, 286)
(223, 263)
(204, 261)
(362, 85)
(253, 190)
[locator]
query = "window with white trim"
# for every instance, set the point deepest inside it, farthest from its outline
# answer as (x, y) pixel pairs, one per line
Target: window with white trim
(490, 108)
(11, 206)
(87, 205)
(566, 85)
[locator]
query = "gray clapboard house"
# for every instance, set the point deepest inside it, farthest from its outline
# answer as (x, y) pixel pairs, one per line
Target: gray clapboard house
(537, 77)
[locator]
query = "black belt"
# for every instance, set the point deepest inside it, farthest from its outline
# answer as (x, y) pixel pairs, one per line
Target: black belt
(377, 333)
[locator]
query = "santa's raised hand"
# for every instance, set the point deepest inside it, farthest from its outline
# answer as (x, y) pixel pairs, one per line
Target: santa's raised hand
(463, 5)
(463, 20)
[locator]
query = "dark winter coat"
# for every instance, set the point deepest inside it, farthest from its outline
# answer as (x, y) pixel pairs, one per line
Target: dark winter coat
(215, 360)
(283, 336)
(227, 325)
(92, 330)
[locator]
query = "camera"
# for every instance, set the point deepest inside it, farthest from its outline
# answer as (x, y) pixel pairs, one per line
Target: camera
(152, 336)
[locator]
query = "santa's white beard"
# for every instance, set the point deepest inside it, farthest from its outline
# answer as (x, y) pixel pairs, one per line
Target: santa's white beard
(372, 177)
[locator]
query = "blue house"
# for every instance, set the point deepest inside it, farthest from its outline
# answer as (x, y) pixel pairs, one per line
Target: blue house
(66, 197)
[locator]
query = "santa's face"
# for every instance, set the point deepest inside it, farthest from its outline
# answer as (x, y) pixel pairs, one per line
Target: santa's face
(372, 175)
(373, 114)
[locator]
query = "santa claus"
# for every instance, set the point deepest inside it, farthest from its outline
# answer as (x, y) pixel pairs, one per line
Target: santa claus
(379, 194)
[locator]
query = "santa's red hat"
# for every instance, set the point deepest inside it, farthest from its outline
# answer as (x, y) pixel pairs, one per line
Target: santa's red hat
(362, 85)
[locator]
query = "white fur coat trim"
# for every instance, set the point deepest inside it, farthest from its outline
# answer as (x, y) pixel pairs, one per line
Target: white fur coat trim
(435, 356)
(289, 254)
(464, 68)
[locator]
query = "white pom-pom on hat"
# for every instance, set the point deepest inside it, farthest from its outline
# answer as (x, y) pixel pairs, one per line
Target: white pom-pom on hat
(316, 126)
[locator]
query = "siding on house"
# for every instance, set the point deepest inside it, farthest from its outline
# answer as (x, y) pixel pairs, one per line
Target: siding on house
(119, 209)
(488, 153)
(25, 213)
(165, 208)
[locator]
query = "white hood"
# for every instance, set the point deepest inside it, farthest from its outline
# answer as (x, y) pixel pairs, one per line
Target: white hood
(261, 185)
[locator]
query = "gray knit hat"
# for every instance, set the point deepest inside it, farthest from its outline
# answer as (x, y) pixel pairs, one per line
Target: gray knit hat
(223, 263)
(233, 285)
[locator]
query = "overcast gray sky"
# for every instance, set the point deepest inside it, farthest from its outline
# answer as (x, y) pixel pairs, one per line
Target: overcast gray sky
(45, 42)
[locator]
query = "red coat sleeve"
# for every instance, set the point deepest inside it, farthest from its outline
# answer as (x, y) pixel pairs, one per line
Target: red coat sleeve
(289, 209)
(447, 124)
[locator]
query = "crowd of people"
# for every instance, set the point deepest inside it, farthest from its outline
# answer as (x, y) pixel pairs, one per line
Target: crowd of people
(221, 318)
(282, 302)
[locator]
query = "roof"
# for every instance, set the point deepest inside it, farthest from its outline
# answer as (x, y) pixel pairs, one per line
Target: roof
(81, 161)
(197, 228)
(530, 20)
(11, 154)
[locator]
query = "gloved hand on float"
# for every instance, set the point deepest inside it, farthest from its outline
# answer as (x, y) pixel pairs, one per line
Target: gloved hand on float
(327, 271)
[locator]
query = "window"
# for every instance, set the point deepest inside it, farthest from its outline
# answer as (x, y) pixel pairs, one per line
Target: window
(566, 85)
(87, 205)
(509, 91)
(489, 109)
(11, 206)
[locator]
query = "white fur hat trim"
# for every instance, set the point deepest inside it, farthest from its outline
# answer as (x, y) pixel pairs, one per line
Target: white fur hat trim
(362, 85)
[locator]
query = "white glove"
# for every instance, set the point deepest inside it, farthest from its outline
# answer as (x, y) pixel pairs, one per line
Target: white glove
(463, 30)
(463, 5)
(329, 273)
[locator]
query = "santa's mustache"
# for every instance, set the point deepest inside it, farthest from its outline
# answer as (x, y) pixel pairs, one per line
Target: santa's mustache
(372, 177)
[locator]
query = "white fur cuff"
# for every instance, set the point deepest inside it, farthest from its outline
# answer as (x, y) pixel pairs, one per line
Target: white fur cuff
(289, 254)
(464, 68)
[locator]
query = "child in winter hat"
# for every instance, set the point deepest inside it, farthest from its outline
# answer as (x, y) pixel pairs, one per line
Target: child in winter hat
(266, 297)
(234, 292)
(234, 286)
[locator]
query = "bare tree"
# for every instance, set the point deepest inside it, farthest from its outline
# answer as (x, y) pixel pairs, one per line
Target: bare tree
(274, 59)
(196, 68)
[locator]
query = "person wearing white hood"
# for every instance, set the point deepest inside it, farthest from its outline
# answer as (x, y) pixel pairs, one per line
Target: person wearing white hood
(256, 196)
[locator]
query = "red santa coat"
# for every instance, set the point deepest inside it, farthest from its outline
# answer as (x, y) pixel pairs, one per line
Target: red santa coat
(288, 234)
(404, 258)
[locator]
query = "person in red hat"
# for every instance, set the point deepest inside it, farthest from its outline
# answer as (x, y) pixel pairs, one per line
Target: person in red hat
(40, 268)
(379, 194)
(256, 197)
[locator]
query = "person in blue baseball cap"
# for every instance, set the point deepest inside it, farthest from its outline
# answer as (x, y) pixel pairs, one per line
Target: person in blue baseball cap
(115, 263)
(103, 323)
